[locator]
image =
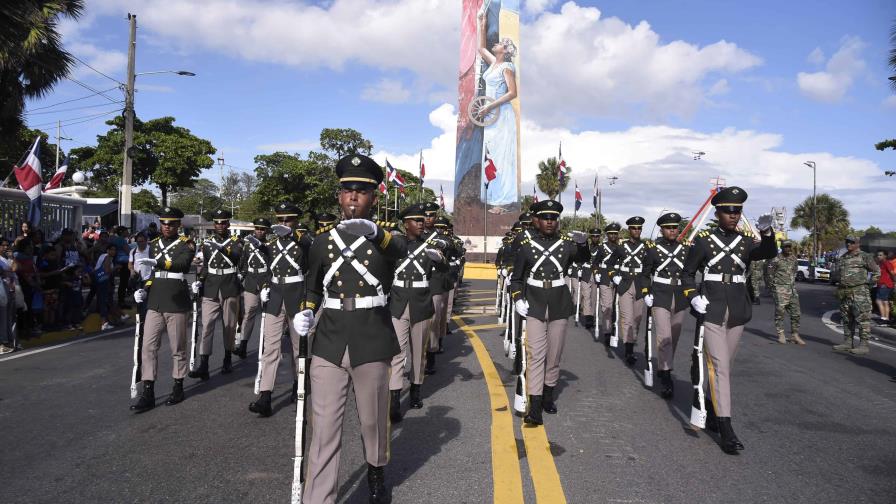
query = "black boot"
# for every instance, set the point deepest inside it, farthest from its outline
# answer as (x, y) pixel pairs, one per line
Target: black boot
(262, 405)
(730, 444)
(712, 421)
(547, 400)
(395, 406)
(376, 485)
(668, 389)
(533, 417)
(415, 400)
(756, 300)
(430, 368)
(295, 392)
(630, 358)
(241, 350)
(441, 349)
(607, 337)
(227, 366)
(147, 399)
(202, 371)
(177, 393)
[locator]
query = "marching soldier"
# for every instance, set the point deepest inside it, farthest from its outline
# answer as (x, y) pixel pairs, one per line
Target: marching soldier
(350, 275)
(724, 255)
(167, 297)
(539, 293)
(254, 269)
(854, 296)
(412, 308)
(662, 270)
(439, 285)
(589, 279)
(606, 290)
(324, 219)
(456, 264)
(281, 299)
(782, 271)
(219, 286)
(625, 267)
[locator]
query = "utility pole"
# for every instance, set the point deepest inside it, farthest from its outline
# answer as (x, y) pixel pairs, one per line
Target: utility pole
(485, 228)
(811, 164)
(127, 176)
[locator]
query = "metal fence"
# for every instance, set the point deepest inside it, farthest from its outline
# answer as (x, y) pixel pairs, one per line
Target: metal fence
(57, 212)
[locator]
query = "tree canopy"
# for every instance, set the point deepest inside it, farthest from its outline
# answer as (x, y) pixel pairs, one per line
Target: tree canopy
(832, 216)
(547, 180)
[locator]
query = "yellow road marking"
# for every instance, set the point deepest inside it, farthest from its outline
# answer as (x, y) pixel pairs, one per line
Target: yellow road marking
(492, 299)
(541, 465)
(480, 291)
(484, 327)
(506, 476)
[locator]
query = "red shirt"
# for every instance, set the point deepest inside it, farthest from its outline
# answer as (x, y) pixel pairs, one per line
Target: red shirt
(886, 274)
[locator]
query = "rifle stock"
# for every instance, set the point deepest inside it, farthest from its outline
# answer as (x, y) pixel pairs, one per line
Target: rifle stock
(698, 406)
(138, 343)
(298, 477)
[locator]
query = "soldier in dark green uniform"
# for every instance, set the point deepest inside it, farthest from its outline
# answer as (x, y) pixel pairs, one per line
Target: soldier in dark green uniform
(756, 277)
(854, 295)
(167, 297)
(625, 268)
(782, 274)
(438, 288)
(219, 286)
(723, 255)
(350, 275)
(324, 219)
(539, 293)
(606, 290)
(662, 271)
(254, 269)
(589, 279)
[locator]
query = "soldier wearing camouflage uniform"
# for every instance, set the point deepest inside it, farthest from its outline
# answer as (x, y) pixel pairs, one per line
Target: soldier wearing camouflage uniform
(757, 272)
(854, 295)
(782, 272)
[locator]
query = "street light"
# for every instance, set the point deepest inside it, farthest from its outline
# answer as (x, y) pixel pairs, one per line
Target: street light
(184, 73)
(811, 164)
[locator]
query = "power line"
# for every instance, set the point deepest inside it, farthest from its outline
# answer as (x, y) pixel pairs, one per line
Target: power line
(79, 119)
(72, 100)
(85, 86)
(97, 71)
(70, 109)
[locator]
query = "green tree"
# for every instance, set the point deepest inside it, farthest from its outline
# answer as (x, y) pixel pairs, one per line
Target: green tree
(526, 202)
(547, 180)
(581, 222)
(145, 201)
(832, 216)
(344, 141)
(309, 183)
(891, 60)
(200, 198)
(32, 59)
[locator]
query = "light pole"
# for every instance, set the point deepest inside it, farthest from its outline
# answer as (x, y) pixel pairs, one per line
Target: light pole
(811, 164)
(221, 168)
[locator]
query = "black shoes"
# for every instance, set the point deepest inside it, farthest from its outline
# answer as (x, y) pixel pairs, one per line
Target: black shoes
(729, 442)
(262, 405)
(533, 417)
(415, 401)
(668, 389)
(395, 405)
(712, 421)
(241, 350)
(177, 393)
(756, 301)
(607, 337)
(547, 400)
(630, 358)
(441, 349)
(147, 399)
(376, 485)
(430, 368)
(227, 366)
(202, 371)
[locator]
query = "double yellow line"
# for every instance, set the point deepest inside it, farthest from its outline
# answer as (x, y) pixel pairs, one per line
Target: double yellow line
(506, 473)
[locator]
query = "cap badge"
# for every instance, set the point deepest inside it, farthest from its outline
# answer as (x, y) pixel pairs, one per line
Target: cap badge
(356, 161)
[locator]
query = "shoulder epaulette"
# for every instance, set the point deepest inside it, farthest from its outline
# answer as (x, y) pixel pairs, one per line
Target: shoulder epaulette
(525, 241)
(703, 234)
(234, 238)
(325, 229)
(650, 244)
(157, 238)
(184, 238)
(565, 238)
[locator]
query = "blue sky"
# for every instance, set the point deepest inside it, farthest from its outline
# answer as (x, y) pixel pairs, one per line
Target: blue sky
(629, 87)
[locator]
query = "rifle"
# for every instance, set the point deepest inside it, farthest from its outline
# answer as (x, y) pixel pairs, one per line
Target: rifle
(499, 288)
(578, 298)
(298, 477)
(508, 339)
(698, 407)
(138, 345)
(260, 350)
(521, 399)
(614, 340)
(648, 350)
(194, 335)
(596, 310)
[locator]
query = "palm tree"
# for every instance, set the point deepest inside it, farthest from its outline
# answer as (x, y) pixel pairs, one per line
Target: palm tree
(832, 217)
(32, 59)
(547, 180)
(891, 61)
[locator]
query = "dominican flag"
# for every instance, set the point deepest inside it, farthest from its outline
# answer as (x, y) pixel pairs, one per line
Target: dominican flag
(56, 181)
(491, 171)
(594, 198)
(578, 198)
(562, 170)
(441, 197)
(422, 169)
(393, 175)
(534, 194)
(383, 189)
(28, 176)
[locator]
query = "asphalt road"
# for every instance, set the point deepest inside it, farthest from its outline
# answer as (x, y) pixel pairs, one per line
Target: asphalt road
(818, 426)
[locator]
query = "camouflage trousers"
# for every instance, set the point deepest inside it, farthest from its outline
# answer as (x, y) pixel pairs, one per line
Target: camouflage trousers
(756, 276)
(787, 302)
(855, 310)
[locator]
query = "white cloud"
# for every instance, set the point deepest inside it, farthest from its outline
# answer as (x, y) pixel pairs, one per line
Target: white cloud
(816, 57)
(386, 91)
(538, 6)
(840, 71)
(719, 88)
(890, 102)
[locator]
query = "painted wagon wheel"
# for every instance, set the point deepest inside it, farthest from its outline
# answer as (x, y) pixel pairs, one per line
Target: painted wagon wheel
(475, 114)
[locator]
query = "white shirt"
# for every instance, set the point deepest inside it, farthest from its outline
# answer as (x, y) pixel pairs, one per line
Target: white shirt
(144, 270)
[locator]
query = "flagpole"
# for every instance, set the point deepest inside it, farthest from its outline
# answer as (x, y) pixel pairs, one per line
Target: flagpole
(485, 228)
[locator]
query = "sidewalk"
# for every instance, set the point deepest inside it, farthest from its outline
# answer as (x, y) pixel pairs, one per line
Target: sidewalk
(92, 324)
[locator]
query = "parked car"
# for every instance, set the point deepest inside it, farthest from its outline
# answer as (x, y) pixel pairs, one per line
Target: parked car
(803, 273)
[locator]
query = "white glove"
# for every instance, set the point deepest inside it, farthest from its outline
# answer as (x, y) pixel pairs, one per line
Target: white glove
(146, 261)
(764, 223)
(522, 307)
(359, 227)
(195, 286)
(253, 240)
(617, 279)
(215, 245)
(281, 230)
(434, 254)
(700, 303)
(303, 321)
(504, 272)
(265, 294)
(578, 237)
(648, 300)
(139, 295)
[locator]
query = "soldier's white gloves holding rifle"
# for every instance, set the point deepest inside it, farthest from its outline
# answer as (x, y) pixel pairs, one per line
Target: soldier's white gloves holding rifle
(578, 237)
(303, 321)
(522, 307)
(139, 295)
(764, 223)
(253, 240)
(504, 272)
(195, 286)
(648, 300)
(281, 230)
(265, 294)
(700, 303)
(617, 279)
(434, 254)
(360, 227)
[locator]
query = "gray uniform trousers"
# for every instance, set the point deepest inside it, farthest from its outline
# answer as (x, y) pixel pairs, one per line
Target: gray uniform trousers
(720, 346)
(449, 307)
(607, 299)
(587, 306)
(175, 324)
(631, 311)
(439, 320)
(251, 308)
(229, 311)
(668, 328)
(272, 348)
(412, 339)
(544, 341)
(330, 384)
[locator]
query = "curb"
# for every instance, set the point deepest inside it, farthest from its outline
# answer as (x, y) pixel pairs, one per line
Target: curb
(91, 325)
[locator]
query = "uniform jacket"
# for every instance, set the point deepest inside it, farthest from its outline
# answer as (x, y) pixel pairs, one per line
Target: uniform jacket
(600, 262)
(415, 266)
(169, 295)
(440, 282)
(854, 269)
(368, 334)
(224, 258)
(730, 297)
(627, 261)
(782, 271)
(670, 256)
(288, 258)
(254, 266)
(553, 303)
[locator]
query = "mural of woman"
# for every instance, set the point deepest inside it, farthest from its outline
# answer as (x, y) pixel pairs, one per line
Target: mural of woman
(500, 138)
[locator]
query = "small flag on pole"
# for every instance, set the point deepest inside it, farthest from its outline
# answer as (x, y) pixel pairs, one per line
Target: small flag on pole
(28, 176)
(562, 170)
(534, 194)
(393, 175)
(441, 197)
(383, 189)
(594, 198)
(491, 171)
(56, 181)
(578, 197)
(422, 168)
